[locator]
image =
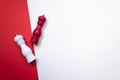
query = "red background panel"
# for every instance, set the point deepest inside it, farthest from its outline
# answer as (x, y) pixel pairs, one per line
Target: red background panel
(14, 19)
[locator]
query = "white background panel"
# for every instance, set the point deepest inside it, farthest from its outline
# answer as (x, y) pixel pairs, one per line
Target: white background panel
(80, 41)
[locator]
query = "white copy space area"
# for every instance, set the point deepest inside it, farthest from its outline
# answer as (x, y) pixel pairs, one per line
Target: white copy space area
(81, 39)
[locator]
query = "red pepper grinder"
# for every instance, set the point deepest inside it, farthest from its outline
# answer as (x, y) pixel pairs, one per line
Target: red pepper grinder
(38, 30)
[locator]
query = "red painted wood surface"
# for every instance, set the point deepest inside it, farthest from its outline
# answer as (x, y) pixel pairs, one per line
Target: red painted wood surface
(14, 19)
